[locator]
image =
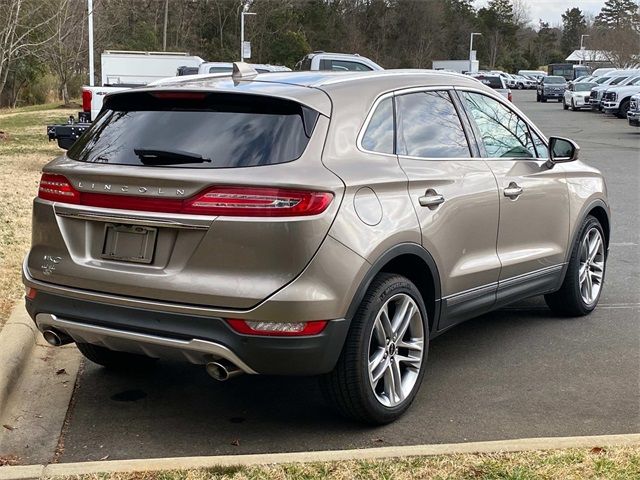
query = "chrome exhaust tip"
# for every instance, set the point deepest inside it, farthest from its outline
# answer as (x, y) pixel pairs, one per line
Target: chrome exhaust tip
(222, 371)
(55, 338)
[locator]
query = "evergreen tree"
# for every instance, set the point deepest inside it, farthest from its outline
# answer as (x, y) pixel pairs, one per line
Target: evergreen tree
(619, 13)
(573, 26)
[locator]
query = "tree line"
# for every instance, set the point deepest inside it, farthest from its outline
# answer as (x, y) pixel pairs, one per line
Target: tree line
(43, 43)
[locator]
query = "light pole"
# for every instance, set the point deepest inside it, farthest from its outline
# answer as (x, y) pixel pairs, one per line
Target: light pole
(582, 47)
(471, 50)
(242, 14)
(90, 19)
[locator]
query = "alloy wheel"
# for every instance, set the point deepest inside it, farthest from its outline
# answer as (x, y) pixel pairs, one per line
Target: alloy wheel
(396, 350)
(592, 260)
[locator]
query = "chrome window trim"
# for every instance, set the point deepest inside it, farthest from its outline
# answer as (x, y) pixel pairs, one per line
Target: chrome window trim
(367, 120)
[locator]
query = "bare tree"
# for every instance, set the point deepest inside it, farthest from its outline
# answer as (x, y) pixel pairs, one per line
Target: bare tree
(20, 24)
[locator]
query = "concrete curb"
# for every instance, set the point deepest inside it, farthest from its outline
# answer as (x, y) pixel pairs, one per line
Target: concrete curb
(158, 464)
(17, 340)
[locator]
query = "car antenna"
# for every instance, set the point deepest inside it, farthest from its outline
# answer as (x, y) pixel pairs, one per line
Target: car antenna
(243, 70)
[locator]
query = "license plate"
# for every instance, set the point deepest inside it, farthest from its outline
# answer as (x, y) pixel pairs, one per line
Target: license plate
(129, 243)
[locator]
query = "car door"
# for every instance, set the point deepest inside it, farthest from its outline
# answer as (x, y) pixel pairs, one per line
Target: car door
(454, 194)
(534, 201)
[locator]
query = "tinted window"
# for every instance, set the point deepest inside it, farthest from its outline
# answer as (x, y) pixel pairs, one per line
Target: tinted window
(493, 82)
(230, 130)
(617, 80)
(343, 66)
(220, 69)
(583, 87)
(429, 126)
(379, 134)
(504, 133)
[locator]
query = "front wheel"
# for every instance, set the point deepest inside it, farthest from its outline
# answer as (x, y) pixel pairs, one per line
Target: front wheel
(564, 105)
(383, 360)
(584, 279)
(573, 105)
(623, 109)
(543, 99)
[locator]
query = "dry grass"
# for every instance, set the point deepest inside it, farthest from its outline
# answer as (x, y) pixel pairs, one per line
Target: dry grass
(619, 463)
(22, 154)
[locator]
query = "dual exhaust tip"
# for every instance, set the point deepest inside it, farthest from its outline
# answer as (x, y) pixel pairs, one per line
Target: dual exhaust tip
(220, 370)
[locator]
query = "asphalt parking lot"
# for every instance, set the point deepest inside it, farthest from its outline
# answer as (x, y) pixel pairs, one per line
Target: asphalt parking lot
(515, 373)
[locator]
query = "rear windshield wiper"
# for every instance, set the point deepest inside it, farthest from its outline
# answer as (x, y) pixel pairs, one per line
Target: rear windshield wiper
(152, 156)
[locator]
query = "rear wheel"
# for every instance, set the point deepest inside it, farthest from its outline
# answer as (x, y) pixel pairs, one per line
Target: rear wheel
(584, 278)
(114, 360)
(383, 360)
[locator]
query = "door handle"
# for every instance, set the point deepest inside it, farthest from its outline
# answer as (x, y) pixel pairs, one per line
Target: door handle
(513, 191)
(430, 199)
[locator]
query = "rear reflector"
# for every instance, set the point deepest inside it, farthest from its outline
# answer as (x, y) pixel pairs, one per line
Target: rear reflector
(30, 293)
(280, 329)
(214, 201)
(86, 100)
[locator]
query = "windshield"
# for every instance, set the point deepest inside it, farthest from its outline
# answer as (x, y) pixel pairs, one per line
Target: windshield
(584, 86)
(230, 130)
(554, 80)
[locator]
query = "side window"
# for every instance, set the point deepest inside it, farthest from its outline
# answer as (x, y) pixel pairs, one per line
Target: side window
(379, 134)
(342, 65)
(429, 126)
(541, 148)
(503, 133)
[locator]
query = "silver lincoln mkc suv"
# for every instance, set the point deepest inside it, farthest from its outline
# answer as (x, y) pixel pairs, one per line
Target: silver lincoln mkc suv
(308, 223)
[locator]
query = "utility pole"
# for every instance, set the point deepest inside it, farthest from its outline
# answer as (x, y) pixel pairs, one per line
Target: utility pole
(471, 56)
(242, 14)
(166, 20)
(90, 17)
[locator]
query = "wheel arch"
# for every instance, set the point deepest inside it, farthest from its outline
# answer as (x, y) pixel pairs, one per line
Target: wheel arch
(414, 262)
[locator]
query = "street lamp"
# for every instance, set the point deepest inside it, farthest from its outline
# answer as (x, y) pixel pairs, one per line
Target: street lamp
(471, 51)
(242, 14)
(582, 47)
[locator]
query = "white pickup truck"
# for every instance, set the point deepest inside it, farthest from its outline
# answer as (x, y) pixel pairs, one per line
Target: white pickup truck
(340, 62)
(120, 70)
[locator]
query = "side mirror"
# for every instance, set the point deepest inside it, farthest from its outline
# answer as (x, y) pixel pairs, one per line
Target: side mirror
(562, 150)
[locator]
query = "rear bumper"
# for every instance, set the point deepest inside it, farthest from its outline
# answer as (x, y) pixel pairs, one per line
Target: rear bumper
(193, 338)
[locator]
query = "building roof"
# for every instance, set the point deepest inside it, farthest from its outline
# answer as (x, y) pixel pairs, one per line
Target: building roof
(589, 56)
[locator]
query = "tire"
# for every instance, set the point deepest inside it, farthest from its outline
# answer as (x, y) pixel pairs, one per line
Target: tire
(564, 105)
(543, 99)
(573, 105)
(575, 299)
(623, 109)
(537, 97)
(113, 360)
(520, 86)
(351, 388)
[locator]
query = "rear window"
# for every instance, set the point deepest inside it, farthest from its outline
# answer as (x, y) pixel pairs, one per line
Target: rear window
(208, 130)
(493, 82)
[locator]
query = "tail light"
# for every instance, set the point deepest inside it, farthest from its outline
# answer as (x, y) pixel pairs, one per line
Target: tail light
(57, 189)
(86, 100)
(279, 329)
(258, 202)
(510, 96)
(214, 201)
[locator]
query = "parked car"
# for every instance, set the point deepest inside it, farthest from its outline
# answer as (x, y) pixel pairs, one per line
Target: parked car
(227, 67)
(633, 115)
(496, 82)
(340, 62)
(577, 95)
(329, 231)
(618, 77)
(551, 87)
(536, 74)
(523, 82)
(617, 100)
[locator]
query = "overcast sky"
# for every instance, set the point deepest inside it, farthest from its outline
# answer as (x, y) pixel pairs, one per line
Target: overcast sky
(551, 10)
